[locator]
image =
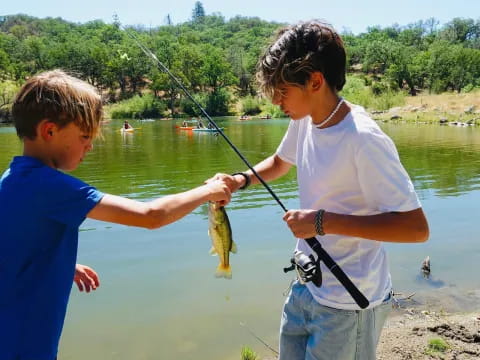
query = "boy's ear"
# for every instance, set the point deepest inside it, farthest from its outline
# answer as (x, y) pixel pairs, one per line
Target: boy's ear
(316, 80)
(46, 129)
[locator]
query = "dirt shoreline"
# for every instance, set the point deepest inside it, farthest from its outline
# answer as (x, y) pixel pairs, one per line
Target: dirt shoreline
(410, 336)
(441, 323)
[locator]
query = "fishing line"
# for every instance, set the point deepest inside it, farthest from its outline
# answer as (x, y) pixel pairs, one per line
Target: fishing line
(359, 298)
(259, 338)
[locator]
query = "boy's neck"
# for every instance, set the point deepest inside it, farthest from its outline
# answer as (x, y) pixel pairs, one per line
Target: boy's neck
(31, 149)
(329, 106)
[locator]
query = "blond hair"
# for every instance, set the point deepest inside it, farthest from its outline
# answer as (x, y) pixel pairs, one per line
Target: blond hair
(60, 98)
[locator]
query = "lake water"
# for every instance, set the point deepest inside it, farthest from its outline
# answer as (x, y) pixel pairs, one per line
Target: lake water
(158, 297)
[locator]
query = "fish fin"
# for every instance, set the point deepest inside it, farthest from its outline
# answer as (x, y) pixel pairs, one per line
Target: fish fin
(213, 252)
(223, 271)
(234, 247)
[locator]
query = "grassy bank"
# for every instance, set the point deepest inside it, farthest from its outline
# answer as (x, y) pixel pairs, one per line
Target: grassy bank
(387, 106)
(446, 107)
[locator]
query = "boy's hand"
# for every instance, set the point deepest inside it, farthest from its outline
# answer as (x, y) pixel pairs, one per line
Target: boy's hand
(301, 222)
(229, 180)
(219, 192)
(86, 278)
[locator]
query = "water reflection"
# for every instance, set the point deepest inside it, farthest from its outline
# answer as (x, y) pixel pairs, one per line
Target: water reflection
(440, 158)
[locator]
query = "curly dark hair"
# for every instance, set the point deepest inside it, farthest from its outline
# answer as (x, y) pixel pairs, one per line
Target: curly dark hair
(299, 50)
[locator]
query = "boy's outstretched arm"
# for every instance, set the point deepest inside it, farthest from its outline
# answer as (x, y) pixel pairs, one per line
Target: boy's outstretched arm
(159, 212)
(86, 278)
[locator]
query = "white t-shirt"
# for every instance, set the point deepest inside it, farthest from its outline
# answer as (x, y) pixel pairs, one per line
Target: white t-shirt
(350, 168)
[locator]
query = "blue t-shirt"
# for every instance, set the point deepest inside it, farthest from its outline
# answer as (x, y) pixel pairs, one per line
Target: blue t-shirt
(41, 210)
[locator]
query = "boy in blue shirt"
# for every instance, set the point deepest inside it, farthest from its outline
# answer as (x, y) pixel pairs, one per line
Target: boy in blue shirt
(57, 117)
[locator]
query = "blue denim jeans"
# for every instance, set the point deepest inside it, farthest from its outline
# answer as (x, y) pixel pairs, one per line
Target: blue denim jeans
(310, 331)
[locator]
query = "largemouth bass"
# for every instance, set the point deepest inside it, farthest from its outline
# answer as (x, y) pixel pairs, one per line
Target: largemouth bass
(221, 234)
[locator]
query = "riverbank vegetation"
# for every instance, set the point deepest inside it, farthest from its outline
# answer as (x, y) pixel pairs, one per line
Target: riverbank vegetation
(215, 58)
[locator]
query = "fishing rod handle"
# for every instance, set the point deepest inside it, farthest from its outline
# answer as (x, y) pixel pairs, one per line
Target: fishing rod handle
(337, 271)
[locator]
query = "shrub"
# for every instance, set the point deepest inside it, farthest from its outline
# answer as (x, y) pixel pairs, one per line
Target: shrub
(218, 102)
(188, 107)
(469, 88)
(356, 92)
(273, 110)
(137, 107)
(437, 345)
(251, 105)
(248, 354)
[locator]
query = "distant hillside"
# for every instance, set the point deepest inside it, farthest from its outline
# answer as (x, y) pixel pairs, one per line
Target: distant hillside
(217, 58)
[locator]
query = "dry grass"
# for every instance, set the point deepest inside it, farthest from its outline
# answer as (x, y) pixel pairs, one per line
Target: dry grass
(449, 107)
(447, 102)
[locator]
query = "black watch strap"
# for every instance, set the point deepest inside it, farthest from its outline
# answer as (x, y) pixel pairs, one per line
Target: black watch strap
(247, 179)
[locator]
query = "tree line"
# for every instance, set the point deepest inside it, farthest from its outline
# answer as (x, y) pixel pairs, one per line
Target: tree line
(216, 58)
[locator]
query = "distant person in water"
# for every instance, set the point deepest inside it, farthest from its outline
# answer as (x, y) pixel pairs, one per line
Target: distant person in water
(126, 125)
(57, 117)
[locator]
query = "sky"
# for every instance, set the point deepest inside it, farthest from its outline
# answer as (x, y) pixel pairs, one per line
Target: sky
(346, 15)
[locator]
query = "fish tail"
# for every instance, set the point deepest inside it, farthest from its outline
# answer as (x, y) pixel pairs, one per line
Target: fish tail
(224, 271)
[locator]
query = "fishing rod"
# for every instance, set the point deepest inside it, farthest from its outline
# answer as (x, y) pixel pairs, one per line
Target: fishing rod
(315, 245)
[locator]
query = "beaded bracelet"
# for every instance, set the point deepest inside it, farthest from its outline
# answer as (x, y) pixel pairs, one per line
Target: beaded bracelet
(247, 180)
(319, 222)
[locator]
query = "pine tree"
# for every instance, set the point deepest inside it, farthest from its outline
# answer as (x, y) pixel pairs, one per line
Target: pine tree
(198, 12)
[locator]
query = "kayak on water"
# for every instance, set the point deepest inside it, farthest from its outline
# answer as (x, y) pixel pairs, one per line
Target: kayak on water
(208, 130)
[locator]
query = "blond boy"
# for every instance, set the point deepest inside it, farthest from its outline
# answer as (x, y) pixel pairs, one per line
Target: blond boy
(57, 116)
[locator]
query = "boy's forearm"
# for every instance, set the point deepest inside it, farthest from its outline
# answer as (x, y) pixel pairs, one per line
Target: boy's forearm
(400, 227)
(269, 169)
(171, 208)
(153, 214)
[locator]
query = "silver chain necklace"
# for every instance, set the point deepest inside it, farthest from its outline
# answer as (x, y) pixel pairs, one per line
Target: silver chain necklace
(332, 114)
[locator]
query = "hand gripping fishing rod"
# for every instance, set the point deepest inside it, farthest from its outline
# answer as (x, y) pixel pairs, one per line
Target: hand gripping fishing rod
(359, 298)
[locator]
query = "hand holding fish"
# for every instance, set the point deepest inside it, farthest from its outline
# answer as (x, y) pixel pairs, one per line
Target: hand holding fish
(219, 192)
(301, 222)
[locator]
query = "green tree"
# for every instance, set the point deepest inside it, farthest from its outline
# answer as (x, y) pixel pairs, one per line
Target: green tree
(460, 30)
(216, 70)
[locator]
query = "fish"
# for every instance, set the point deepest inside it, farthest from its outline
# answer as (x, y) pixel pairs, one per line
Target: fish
(220, 232)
